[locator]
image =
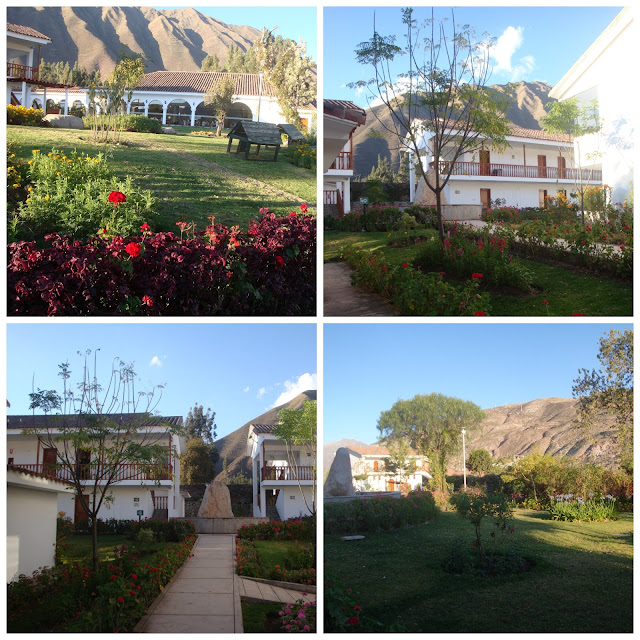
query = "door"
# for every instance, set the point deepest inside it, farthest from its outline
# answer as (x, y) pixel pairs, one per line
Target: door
(83, 464)
(542, 198)
(542, 166)
(49, 459)
(485, 198)
(485, 162)
(80, 515)
(562, 167)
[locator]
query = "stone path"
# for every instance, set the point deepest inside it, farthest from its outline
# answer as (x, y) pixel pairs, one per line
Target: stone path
(204, 595)
(269, 592)
(342, 299)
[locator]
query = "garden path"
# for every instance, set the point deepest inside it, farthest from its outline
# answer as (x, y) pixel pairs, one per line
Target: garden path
(203, 596)
(270, 592)
(342, 299)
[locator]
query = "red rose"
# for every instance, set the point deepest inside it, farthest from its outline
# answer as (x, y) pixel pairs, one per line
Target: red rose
(116, 198)
(479, 313)
(476, 276)
(133, 249)
(133, 575)
(303, 208)
(404, 265)
(120, 599)
(353, 621)
(280, 260)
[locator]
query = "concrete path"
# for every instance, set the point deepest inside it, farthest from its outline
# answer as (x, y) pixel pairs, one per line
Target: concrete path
(342, 299)
(268, 592)
(203, 596)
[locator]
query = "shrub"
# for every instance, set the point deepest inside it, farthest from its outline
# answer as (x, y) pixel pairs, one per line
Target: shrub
(294, 529)
(378, 513)
(572, 508)
(299, 565)
(164, 530)
(270, 270)
(480, 461)
(24, 116)
(129, 122)
(303, 155)
(299, 617)
(17, 176)
(144, 535)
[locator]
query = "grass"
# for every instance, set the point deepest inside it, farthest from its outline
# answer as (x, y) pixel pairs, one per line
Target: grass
(273, 552)
(261, 617)
(79, 546)
(192, 177)
(566, 291)
(582, 581)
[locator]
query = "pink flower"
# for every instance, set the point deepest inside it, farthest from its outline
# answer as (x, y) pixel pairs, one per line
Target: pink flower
(149, 302)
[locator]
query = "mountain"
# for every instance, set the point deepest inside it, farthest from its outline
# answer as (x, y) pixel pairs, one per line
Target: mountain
(527, 107)
(233, 447)
(172, 39)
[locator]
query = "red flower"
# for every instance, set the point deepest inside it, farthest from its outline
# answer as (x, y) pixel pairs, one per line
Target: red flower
(476, 276)
(120, 599)
(577, 314)
(280, 260)
(182, 225)
(132, 593)
(149, 302)
(145, 227)
(133, 575)
(293, 214)
(479, 313)
(303, 208)
(404, 265)
(544, 302)
(116, 198)
(113, 577)
(133, 249)
(353, 620)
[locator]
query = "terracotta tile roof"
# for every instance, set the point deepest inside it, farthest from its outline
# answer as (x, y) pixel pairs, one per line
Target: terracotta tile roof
(536, 134)
(345, 110)
(30, 422)
(26, 31)
(35, 474)
(247, 84)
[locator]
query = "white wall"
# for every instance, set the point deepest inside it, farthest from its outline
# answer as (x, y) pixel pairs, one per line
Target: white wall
(516, 194)
(290, 503)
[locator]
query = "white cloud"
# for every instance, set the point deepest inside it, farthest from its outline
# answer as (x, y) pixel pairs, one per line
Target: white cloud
(155, 362)
(247, 389)
(504, 52)
(294, 387)
(261, 392)
(399, 88)
(524, 68)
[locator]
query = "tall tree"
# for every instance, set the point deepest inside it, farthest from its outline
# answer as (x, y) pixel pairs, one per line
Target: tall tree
(298, 429)
(447, 81)
(202, 454)
(210, 63)
(576, 120)
(197, 467)
(610, 389)
(200, 424)
(431, 424)
(108, 426)
(220, 98)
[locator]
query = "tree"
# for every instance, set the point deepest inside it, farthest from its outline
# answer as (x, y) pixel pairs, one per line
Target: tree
(201, 425)
(220, 98)
(106, 426)
(447, 82)
(399, 461)
(431, 425)
(610, 389)
(297, 428)
(382, 171)
(538, 473)
(571, 118)
(196, 464)
(210, 63)
(480, 461)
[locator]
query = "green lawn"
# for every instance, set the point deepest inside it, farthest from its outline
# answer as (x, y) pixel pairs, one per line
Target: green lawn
(582, 581)
(566, 291)
(192, 177)
(261, 617)
(273, 552)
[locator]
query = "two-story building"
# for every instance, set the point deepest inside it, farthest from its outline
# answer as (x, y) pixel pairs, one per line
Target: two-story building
(371, 471)
(153, 489)
(341, 119)
(290, 488)
(534, 165)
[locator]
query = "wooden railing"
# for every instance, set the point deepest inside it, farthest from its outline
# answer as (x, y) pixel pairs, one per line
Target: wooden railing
(95, 471)
(22, 71)
(516, 171)
(344, 161)
(287, 473)
(334, 197)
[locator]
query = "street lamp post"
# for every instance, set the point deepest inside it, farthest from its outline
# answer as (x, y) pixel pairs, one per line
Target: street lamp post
(464, 462)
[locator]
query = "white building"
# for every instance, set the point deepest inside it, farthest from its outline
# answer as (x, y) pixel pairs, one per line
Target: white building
(32, 510)
(275, 481)
(177, 97)
(341, 119)
(603, 73)
(370, 470)
(533, 166)
(155, 490)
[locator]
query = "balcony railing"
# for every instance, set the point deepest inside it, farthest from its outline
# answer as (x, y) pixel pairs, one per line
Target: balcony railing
(22, 71)
(95, 471)
(535, 172)
(344, 161)
(287, 473)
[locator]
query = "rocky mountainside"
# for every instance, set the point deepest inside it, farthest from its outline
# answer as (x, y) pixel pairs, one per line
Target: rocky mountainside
(233, 447)
(547, 425)
(171, 39)
(528, 106)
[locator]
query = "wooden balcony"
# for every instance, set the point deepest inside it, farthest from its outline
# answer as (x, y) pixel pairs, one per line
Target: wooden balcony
(533, 172)
(22, 72)
(287, 473)
(344, 162)
(91, 472)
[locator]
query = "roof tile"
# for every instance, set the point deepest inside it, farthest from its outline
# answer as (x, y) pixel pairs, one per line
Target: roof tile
(26, 31)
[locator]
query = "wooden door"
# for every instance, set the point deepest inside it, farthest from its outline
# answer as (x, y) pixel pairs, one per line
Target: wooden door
(485, 162)
(485, 198)
(80, 514)
(542, 166)
(49, 459)
(542, 198)
(562, 167)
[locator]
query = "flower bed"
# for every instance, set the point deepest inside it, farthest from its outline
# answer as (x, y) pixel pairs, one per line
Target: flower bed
(29, 117)
(378, 513)
(570, 508)
(74, 599)
(294, 529)
(269, 270)
(414, 292)
(299, 616)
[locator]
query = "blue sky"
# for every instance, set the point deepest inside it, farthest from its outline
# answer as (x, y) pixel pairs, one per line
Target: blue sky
(534, 43)
(293, 22)
(368, 367)
(238, 370)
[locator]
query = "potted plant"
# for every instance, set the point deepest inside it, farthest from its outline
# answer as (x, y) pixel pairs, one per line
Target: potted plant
(54, 108)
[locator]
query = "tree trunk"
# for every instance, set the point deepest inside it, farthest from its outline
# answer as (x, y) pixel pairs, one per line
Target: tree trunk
(439, 215)
(219, 127)
(94, 541)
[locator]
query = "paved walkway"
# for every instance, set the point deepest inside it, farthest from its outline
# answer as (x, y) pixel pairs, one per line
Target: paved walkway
(204, 595)
(269, 592)
(342, 299)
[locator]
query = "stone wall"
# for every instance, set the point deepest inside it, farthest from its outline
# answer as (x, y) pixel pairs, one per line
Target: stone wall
(461, 211)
